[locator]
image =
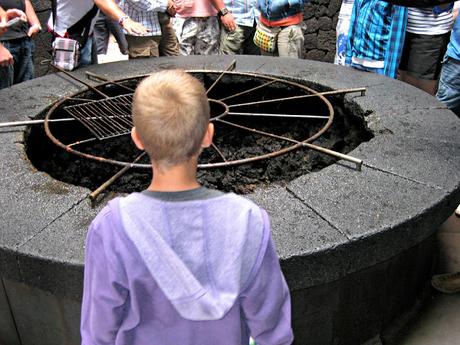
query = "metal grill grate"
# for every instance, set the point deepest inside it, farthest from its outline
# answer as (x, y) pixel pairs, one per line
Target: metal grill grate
(106, 118)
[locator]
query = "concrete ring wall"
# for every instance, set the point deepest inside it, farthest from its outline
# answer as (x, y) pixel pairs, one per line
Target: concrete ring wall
(356, 247)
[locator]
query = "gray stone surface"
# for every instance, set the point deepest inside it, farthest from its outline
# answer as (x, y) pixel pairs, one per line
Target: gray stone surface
(55, 256)
(8, 333)
(31, 306)
(326, 225)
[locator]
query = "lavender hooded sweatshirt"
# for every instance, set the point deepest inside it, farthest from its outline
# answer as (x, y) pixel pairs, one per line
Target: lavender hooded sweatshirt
(183, 272)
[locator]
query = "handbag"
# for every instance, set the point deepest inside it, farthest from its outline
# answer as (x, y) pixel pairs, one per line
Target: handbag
(265, 38)
(66, 50)
(66, 53)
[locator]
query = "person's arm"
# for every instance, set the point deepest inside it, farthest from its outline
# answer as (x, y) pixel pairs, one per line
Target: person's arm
(227, 20)
(104, 294)
(419, 3)
(112, 10)
(34, 22)
(266, 304)
(6, 59)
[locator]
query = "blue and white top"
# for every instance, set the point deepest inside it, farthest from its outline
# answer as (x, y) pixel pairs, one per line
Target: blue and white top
(245, 12)
(430, 20)
(145, 12)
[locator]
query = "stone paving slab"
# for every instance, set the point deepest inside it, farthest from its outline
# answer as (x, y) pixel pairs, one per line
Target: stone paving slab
(381, 217)
(434, 163)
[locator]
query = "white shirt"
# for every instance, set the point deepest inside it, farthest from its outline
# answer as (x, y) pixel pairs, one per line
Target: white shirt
(69, 12)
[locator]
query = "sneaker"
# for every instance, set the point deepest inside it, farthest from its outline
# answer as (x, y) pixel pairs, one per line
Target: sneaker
(446, 283)
(457, 211)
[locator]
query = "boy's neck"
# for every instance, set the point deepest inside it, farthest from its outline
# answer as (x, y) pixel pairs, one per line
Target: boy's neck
(175, 179)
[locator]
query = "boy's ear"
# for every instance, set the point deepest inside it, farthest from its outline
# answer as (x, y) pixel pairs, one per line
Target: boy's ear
(137, 141)
(207, 140)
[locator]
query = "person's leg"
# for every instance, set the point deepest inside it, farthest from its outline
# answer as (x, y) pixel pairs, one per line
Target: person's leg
(231, 42)
(143, 46)
(421, 60)
(101, 34)
(208, 36)
(249, 48)
(449, 85)
(186, 30)
(169, 46)
(24, 67)
(290, 42)
(6, 77)
(86, 53)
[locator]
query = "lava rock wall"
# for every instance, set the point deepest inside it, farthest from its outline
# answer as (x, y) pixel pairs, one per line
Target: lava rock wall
(320, 19)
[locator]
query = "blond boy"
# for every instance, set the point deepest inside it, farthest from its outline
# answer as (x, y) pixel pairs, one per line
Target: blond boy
(180, 263)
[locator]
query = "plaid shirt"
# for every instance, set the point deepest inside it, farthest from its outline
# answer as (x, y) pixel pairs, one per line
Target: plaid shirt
(377, 32)
(145, 12)
(245, 12)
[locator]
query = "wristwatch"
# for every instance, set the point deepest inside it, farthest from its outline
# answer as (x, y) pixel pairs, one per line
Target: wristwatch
(222, 12)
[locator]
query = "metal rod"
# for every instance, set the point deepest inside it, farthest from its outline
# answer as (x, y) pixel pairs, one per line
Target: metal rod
(247, 91)
(93, 195)
(327, 93)
(81, 142)
(329, 152)
(230, 67)
(219, 152)
(281, 115)
(97, 76)
(80, 81)
(39, 122)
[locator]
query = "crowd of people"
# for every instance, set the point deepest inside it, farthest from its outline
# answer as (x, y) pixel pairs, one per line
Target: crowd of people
(413, 44)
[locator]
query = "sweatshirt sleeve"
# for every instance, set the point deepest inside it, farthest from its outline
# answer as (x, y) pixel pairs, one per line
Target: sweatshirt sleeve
(266, 302)
(104, 296)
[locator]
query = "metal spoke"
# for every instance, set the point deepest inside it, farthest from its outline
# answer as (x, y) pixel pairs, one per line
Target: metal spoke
(219, 152)
(327, 93)
(280, 115)
(115, 177)
(250, 90)
(332, 153)
(230, 67)
(81, 142)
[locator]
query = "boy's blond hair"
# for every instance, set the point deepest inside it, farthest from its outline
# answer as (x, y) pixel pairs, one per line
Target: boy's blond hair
(171, 114)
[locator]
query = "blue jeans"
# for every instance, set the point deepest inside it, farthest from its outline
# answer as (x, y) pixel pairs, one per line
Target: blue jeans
(86, 51)
(449, 84)
(22, 50)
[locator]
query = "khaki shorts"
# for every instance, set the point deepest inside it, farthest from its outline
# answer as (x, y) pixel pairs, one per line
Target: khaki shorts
(143, 46)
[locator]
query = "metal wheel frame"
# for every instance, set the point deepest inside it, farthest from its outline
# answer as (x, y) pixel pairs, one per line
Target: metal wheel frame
(218, 119)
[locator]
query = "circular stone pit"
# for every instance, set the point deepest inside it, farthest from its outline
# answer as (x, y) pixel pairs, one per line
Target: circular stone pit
(356, 247)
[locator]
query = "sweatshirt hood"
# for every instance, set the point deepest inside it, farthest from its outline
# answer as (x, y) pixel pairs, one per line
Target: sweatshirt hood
(201, 253)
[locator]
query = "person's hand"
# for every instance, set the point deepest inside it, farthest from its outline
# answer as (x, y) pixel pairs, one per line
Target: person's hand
(134, 28)
(228, 22)
(5, 16)
(13, 13)
(33, 30)
(6, 59)
(3, 20)
(172, 8)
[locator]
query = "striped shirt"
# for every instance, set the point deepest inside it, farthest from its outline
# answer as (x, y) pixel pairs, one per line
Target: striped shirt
(245, 12)
(145, 12)
(376, 36)
(429, 21)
